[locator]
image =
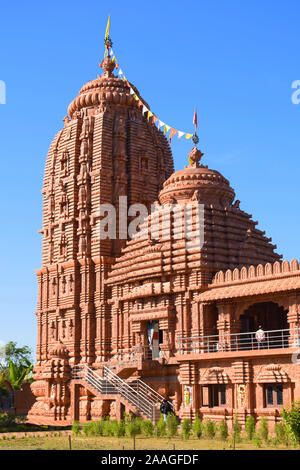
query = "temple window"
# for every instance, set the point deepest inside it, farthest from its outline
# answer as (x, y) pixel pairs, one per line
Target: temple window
(273, 394)
(214, 395)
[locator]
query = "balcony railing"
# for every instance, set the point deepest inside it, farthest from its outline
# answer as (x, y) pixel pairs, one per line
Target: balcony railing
(135, 354)
(272, 339)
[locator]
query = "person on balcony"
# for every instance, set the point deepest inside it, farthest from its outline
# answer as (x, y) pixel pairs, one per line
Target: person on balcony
(260, 337)
(166, 408)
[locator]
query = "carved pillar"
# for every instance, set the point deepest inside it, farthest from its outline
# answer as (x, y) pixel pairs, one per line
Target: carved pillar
(227, 325)
(293, 318)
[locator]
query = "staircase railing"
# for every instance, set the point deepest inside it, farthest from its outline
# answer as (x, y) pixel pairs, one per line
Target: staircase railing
(141, 402)
(138, 394)
(142, 387)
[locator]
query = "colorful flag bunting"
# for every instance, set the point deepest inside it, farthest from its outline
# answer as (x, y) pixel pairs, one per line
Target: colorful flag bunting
(172, 133)
(167, 128)
(144, 108)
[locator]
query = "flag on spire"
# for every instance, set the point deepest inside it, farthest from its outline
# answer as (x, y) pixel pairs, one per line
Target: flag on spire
(107, 28)
(107, 39)
(195, 119)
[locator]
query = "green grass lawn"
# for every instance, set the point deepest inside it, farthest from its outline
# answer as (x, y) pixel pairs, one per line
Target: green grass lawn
(114, 443)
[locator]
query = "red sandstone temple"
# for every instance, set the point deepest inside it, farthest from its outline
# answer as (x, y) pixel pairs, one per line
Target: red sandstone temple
(123, 323)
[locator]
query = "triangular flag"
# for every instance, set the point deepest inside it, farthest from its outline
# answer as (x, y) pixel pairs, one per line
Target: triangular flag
(149, 115)
(120, 72)
(107, 28)
(160, 124)
(131, 91)
(195, 121)
(145, 109)
(180, 134)
(188, 136)
(136, 97)
(172, 133)
(167, 128)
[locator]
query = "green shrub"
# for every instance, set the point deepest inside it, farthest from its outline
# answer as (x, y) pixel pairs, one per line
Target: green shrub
(291, 419)
(161, 427)
(147, 428)
(6, 420)
(186, 428)
(172, 425)
(107, 428)
(257, 441)
(250, 426)
(281, 433)
(197, 427)
(237, 429)
(263, 429)
(133, 427)
(85, 429)
(75, 428)
(223, 430)
(209, 429)
(128, 417)
(117, 428)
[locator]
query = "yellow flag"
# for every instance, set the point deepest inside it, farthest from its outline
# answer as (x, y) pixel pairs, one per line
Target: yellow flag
(188, 136)
(135, 97)
(167, 128)
(149, 115)
(107, 28)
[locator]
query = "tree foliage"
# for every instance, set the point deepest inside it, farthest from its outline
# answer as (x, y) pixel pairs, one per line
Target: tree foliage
(291, 418)
(18, 356)
(250, 427)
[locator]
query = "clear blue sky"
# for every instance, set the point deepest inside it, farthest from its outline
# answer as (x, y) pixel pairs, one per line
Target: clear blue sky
(234, 60)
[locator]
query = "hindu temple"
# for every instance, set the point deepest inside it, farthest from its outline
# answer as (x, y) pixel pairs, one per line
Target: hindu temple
(207, 318)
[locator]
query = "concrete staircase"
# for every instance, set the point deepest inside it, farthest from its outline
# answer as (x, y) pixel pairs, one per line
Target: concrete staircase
(140, 398)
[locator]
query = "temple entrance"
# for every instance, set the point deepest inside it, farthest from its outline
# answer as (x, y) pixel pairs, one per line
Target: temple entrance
(268, 315)
(154, 339)
(264, 325)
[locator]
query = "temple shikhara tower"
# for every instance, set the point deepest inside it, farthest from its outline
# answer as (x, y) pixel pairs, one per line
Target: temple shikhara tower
(124, 322)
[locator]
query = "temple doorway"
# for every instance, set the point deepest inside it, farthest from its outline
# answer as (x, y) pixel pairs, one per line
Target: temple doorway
(154, 339)
(268, 315)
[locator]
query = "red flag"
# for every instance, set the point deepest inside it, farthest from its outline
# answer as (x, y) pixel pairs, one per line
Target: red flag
(172, 133)
(195, 120)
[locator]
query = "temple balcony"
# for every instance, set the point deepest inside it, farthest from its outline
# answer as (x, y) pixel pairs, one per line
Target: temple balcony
(235, 344)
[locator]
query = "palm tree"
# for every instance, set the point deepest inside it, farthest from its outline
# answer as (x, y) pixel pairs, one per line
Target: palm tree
(13, 378)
